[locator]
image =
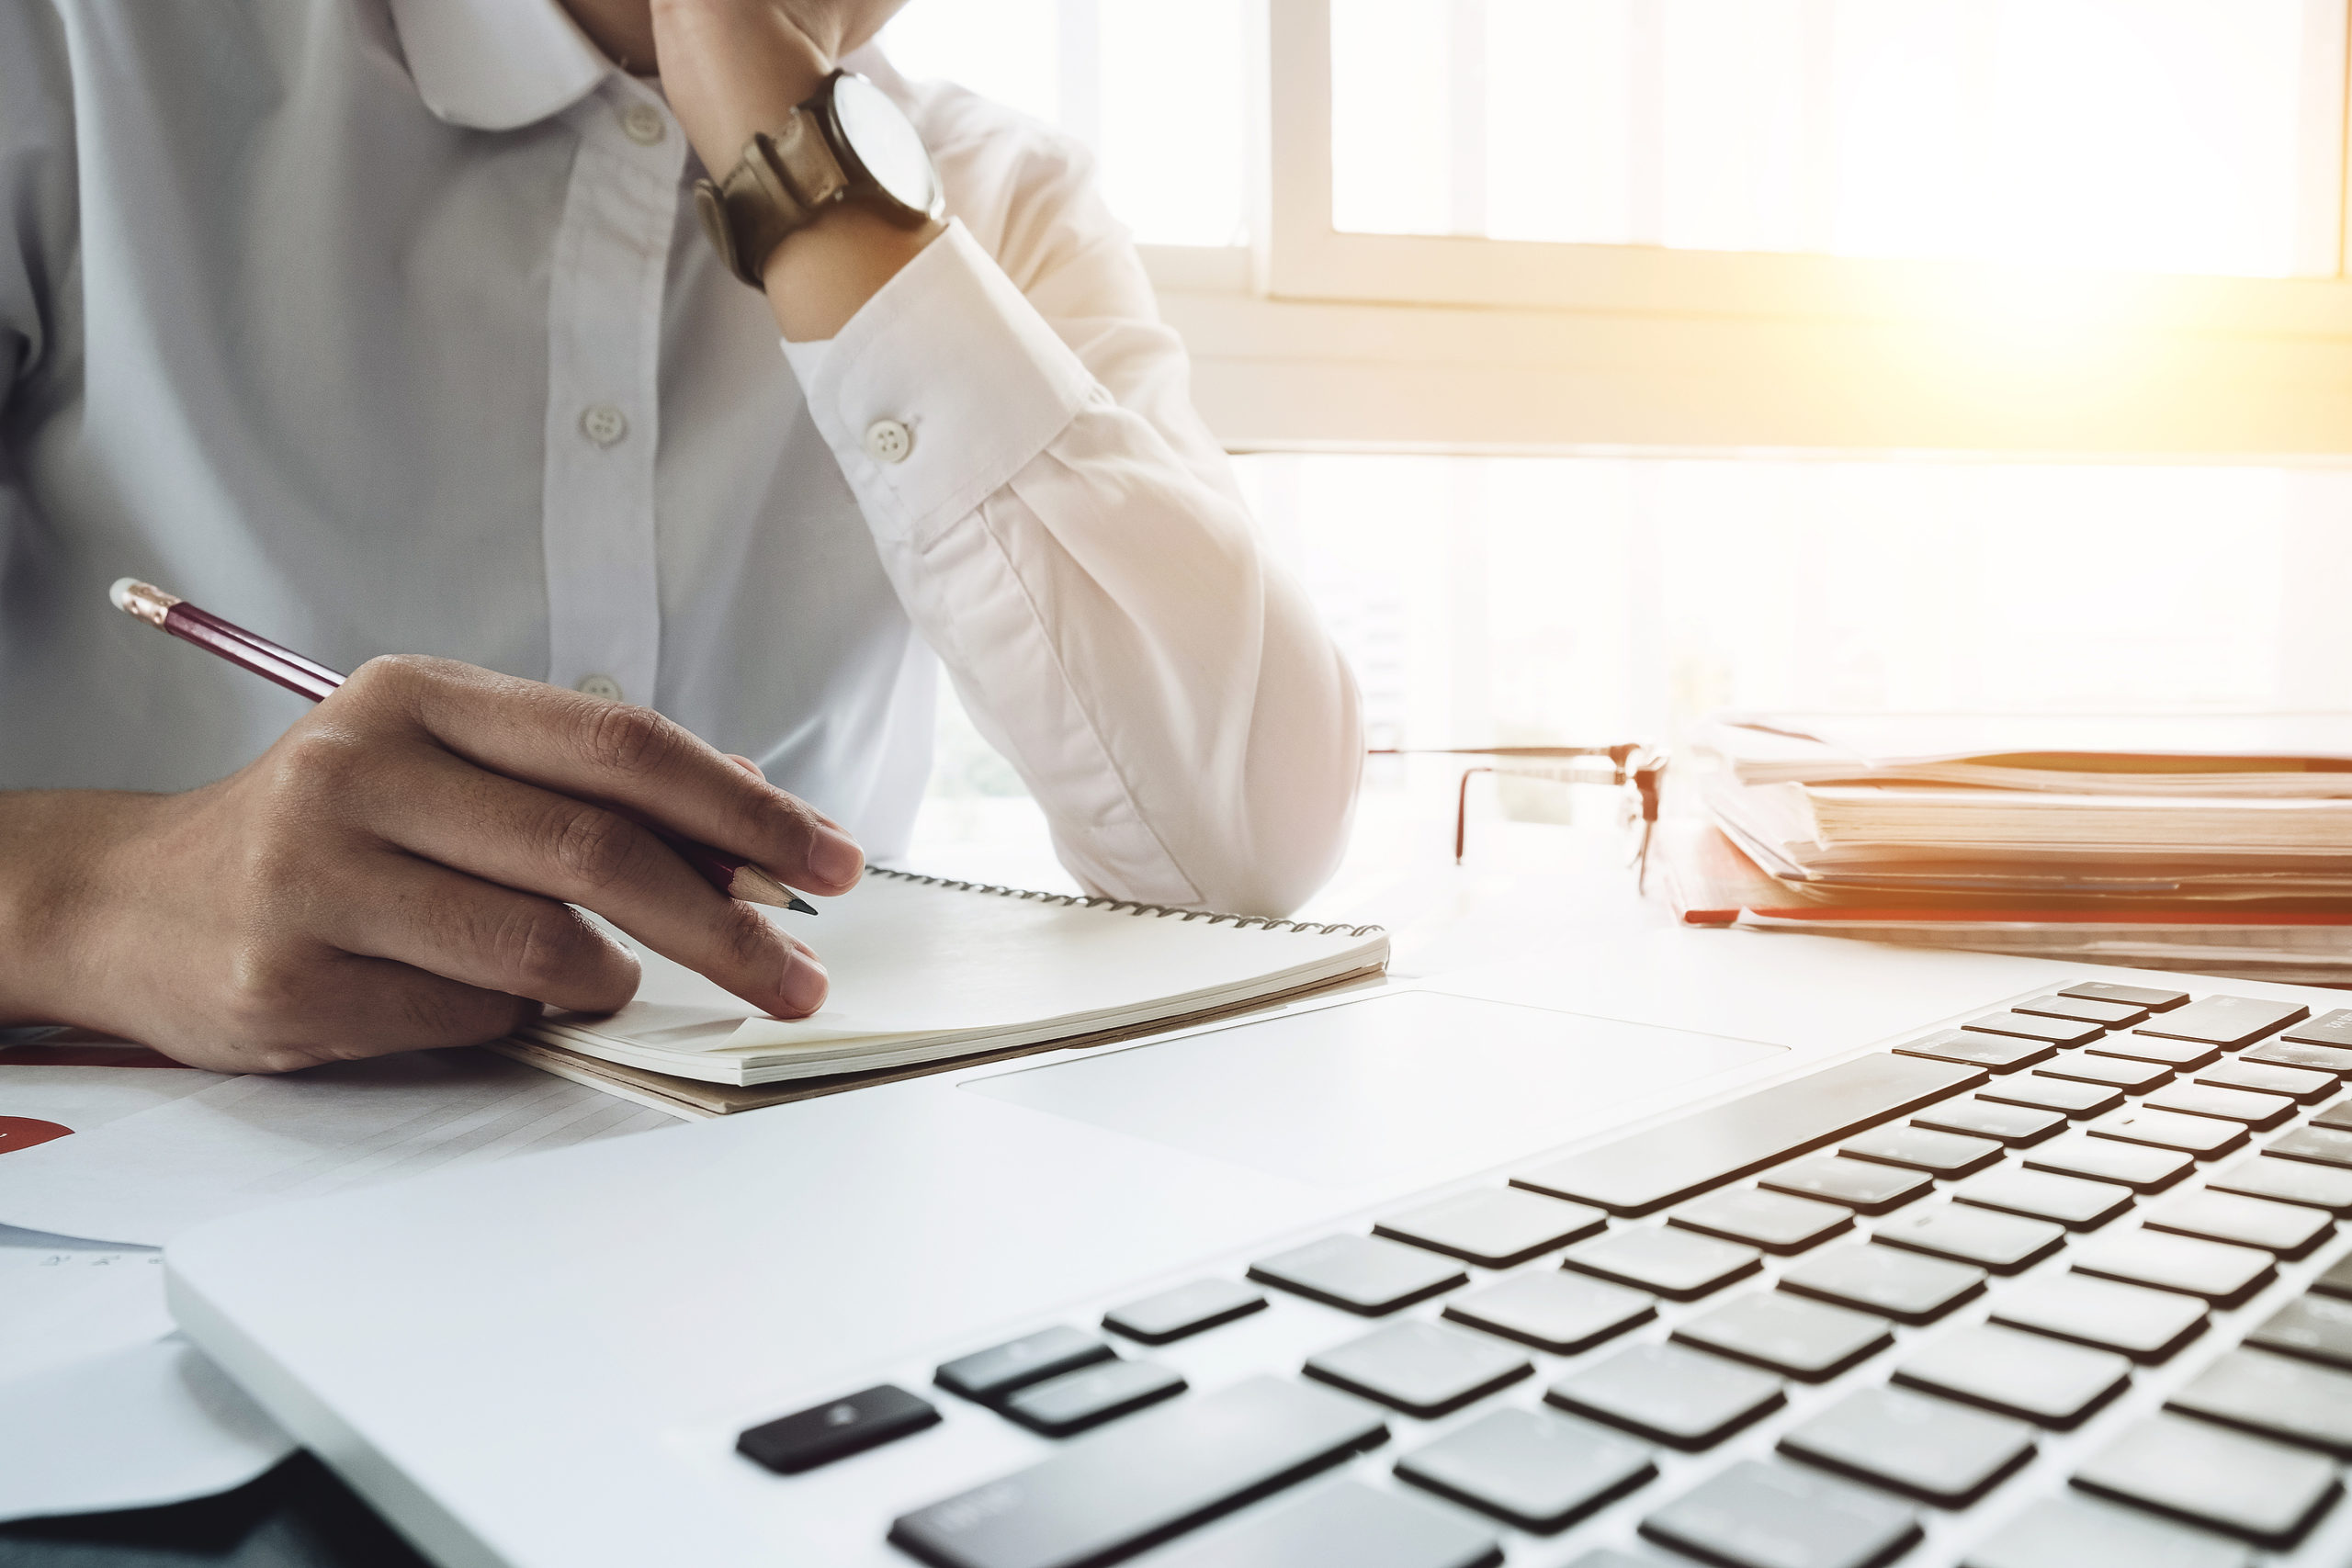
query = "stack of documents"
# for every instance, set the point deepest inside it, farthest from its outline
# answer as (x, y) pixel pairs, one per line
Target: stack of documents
(2218, 843)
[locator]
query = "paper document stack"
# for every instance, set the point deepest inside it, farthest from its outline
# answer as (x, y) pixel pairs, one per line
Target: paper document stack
(2220, 844)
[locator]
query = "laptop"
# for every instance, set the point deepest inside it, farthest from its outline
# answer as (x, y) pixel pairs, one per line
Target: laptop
(1767, 1252)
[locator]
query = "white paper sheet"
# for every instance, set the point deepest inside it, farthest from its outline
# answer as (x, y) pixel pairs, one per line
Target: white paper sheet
(65, 1300)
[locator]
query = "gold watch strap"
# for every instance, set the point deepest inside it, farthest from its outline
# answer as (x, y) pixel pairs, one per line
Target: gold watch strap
(779, 184)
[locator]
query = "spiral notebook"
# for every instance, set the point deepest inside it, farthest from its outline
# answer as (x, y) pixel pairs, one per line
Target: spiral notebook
(925, 971)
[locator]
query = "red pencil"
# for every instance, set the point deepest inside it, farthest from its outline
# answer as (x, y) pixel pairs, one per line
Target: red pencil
(733, 876)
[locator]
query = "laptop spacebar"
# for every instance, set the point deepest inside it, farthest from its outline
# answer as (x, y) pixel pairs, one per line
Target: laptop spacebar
(1665, 1164)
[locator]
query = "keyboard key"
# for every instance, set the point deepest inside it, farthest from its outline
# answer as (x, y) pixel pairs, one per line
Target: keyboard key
(1421, 1369)
(2113, 1015)
(1554, 1310)
(836, 1429)
(2337, 1116)
(1811, 1341)
(2266, 1492)
(2222, 1274)
(2327, 1028)
(2241, 1105)
(1091, 1396)
(2032, 1026)
(2002, 1243)
(2068, 1200)
(989, 1375)
(2076, 1532)
(1187, 1309)
(2177, 1055)
(1343, 1522)
(2132, 1320)
(2136, 1166)
(1497, 1227)
(1994, 1052)
(1869, 1189)
(2291, 1400)
(1686, 1157)
(1530, 1467)
(2203, 1136)
(2229, 1021)
(1678, 1265)
(1772, 1221)
(1669, 1395)
(1768, 1516)
(2288, 1181)
(2025, 1375)
(2316, 1327)
(2287, 1053)
(2335, 1280)
(2129, 996)
(1145, 1479)
(2111, 1072)
(1928, 1448)
(2074, 1099)
(1920, 1148)
(2319, 1145)
(2288, 1229)
(1363, 1274)
(2296, 1083)
(1900, 1285)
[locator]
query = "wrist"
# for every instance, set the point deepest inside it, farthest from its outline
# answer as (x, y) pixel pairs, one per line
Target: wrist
(60, 854)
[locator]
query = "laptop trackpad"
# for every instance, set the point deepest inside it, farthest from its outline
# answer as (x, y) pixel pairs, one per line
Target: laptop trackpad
(1392, 1086)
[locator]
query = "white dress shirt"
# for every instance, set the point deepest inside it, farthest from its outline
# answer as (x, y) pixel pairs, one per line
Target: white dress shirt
(391, 327)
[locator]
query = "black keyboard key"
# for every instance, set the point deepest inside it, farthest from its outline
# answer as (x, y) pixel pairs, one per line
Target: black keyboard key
(1361, 1273)
(1529, 1467)
(1421, 1369)
(1144, 1480)
(2068, 1200)
(2228, 1021)
(2299, 1084)
(1809, 1340)
(2177, 1055)
(1554, 1310)
(1899, 1285)
(2025, 1375)
(2136, 1166)
(1679, 1264)
(2129, 996)
(2002, 1243)
(2241, 1105)
(2226, 1276)
(2288, 1181)
(2327, 1028)
(1091, 1396)
(2266, 1492)
(836, 1429)
(2319, 1145)
(2288, 1053)
(2113, 1015)
(2076, 1532)
(1669, 1395)
(2202, 1136)
(1858, 1184)
(1768, 1516)
(2013, 1124)
(2317, 1327)
(1498, 1226)
(1926, 1447)
(1994, 1052)
(2029, 1026)
(1187, 1309)
(989, 1375)
(1343, 1522)
(2074, 1099)
(2288, 1229)
(1947, 1154)
(2292, 1401)
(2108, 1072)
(2132, 1320)
(1684, 1157)
(1771, 1220)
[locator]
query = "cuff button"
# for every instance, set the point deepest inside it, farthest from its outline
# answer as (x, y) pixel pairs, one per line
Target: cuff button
(887, 441)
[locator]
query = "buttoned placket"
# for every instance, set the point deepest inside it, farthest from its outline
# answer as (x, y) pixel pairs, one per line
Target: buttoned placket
(610, 266)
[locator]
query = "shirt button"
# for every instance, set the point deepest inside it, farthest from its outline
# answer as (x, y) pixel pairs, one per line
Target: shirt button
(604, 425)
(643, 124)
(603, 686)
(887, 441)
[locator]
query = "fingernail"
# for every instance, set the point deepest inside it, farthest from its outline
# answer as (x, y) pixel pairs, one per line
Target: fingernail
(804, 985)
(834, 857)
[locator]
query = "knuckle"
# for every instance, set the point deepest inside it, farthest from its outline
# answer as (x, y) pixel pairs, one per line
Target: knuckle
(747, 941)
(631, 742)
(542, 948)
(595, 850)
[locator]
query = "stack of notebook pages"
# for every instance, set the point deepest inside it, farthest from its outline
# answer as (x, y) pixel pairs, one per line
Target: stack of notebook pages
(2216, 844)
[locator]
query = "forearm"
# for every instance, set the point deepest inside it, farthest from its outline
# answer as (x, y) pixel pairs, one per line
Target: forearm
(55, 872)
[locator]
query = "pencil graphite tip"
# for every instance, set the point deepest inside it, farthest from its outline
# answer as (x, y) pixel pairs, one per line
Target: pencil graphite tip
(756, 886)
(144, 600)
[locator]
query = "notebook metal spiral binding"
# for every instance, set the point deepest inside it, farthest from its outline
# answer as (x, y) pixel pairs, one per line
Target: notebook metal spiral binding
(1158, 911)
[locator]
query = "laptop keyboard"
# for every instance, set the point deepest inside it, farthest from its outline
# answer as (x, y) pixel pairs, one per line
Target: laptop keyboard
(2059, 1287)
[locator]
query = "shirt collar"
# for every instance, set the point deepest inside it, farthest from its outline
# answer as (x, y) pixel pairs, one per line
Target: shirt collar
(496, 64)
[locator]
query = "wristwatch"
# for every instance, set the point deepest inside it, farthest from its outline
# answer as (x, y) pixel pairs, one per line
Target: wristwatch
(847, 144)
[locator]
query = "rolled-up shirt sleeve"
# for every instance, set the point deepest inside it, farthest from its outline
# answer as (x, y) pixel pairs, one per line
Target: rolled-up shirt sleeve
(1071, 543)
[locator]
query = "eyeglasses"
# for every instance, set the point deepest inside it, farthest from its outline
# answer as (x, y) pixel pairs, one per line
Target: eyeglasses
(1627, 763)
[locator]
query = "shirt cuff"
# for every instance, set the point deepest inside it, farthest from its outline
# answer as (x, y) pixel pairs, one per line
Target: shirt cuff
(943, 386)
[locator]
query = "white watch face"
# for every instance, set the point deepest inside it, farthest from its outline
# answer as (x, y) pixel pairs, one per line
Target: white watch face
(885, 141)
